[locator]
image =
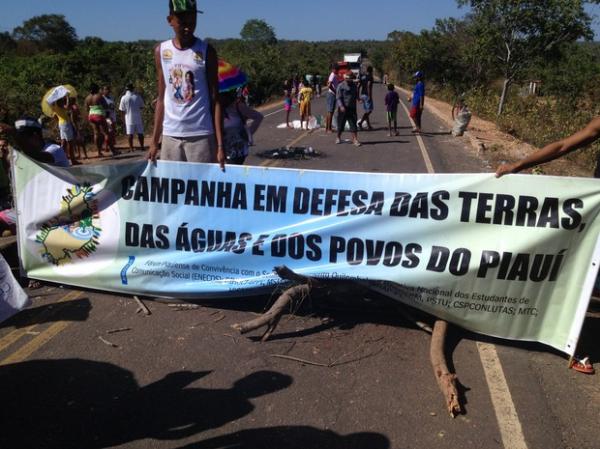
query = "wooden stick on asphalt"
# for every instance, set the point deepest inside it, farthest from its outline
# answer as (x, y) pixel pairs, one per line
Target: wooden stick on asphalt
(142, 307)
(272, 316)
(445, 379)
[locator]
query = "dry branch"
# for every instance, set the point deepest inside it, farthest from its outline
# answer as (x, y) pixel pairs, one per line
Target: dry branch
(445, 379)
(273, 315)
(142, 307)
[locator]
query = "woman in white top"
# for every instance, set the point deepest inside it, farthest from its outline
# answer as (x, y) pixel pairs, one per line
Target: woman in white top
(236, 133)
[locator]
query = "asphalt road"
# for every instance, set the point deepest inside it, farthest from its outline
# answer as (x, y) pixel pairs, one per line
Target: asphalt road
(82, 369)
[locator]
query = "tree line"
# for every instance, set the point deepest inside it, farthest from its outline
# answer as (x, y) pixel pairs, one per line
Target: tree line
(489, 57)
(45, 51)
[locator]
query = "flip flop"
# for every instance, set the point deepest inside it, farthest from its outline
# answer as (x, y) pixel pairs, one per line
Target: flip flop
(583, 366)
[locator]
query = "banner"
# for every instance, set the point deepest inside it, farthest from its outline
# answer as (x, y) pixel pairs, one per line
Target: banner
(514, 257)
(12, 297)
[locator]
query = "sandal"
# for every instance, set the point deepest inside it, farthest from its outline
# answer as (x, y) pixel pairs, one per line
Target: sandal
(583, 366)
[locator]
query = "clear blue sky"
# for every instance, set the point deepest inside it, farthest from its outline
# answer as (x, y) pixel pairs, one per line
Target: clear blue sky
(305, 20)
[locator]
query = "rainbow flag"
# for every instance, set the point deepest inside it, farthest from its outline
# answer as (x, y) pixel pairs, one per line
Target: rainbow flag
(230, 77)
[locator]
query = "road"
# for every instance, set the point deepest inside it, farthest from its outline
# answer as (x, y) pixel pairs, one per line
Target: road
(82, 369)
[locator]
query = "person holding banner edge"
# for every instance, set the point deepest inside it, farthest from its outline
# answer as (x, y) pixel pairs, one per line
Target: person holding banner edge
(188, 116)
(581, 139)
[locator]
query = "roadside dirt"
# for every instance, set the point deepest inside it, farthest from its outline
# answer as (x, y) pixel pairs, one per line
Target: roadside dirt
(499, 146)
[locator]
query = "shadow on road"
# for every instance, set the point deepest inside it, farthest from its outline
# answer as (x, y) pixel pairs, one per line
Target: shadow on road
(76, 403)
(589, 338)
(293, 437)
(377, 142)
(76, 310)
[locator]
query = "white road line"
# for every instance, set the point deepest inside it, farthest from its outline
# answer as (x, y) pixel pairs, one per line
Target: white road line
(273, 113)
(506, 414)
(424, 152)
(504, 407)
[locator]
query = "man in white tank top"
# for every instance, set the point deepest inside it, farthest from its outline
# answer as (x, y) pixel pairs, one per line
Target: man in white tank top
(188, 115)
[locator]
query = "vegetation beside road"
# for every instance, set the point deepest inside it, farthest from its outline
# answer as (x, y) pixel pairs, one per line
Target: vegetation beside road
(489, 57)
(492, 55)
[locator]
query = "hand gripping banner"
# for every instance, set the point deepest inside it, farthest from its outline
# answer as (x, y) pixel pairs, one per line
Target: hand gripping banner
(514, 257)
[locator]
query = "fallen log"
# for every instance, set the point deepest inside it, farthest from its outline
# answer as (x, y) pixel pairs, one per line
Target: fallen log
(445, 379)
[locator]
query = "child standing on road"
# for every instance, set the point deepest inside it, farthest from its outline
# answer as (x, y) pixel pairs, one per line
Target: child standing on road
(392, 99)
(287, 101)
(306, 94)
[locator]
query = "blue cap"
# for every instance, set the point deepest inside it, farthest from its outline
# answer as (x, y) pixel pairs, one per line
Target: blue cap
(418, 74)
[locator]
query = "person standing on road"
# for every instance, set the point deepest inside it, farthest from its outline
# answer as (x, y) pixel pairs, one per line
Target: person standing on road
(332, 85)
(346, 97)
(366, 97)
(392, 99)
(131, 106)
(190, 128)
(417, 101)
(67, 132)
(111, 115)
(96, 111)
(386, 79)
(236, 133)
(75, 115)
(287, 101)
(318, 81)
(306, 94)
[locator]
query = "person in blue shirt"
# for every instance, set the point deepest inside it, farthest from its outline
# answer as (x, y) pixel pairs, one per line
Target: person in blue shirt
(417, 101)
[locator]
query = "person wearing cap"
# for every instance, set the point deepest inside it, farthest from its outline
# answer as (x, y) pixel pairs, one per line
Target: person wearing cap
(131, 106)
(366, 97)
(29, 140)
(189, 126)
(417, 101)
(346, 96)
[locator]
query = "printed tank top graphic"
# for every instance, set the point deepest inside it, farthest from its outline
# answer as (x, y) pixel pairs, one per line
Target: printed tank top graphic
(181, 87)
(187, 102)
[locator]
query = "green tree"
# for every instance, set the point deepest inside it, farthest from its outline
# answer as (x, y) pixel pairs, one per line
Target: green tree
(49, 32)
(518, 32)
(257, 30)
(7, 43)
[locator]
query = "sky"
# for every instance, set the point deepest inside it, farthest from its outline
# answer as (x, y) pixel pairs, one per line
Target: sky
(313, 20)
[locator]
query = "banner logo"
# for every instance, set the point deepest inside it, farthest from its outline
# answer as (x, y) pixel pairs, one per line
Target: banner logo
(75, 232)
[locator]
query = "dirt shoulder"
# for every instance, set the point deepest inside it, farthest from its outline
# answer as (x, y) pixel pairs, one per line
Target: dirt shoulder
(496, 146)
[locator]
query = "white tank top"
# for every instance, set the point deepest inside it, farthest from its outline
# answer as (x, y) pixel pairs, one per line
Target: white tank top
(187, 99)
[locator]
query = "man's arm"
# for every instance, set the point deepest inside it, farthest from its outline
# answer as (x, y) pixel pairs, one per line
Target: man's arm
(422, 96)
(159, 112)
(212, 65)
(555, 150)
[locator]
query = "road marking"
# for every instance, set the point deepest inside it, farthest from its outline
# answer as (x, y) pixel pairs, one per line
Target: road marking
(426, 157)
(273, 113)
(15, 335)
(504, 407)
(26, 350)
